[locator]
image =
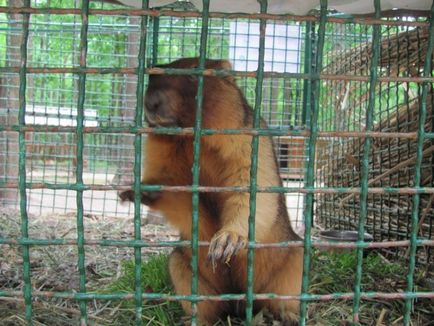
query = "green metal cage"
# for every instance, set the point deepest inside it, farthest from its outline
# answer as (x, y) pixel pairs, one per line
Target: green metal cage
(347, 99)
(391, 161)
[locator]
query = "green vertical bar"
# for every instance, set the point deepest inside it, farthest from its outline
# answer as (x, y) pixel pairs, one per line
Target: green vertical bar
(137, 165)
(417, 175)
(307, 83)
(307, 87)
(376, 34)
(254, 164)
(79, 167)
(310, 177)
(155, 33)
(27, 289)
(196, 160)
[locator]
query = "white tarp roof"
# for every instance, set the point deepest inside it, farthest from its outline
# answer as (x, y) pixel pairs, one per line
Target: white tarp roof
(298, 7)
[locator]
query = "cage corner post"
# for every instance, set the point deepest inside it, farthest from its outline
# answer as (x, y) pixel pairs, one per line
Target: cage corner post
(197, 134)
(421, 136)
(79, 134)
(8, 111)
(27, 288)
(314, 95)
(364, 186)
(309, 66)
(263, 4)
(138, 292)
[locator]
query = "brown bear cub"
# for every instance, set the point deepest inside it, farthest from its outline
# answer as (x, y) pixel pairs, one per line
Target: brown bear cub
(223, 216)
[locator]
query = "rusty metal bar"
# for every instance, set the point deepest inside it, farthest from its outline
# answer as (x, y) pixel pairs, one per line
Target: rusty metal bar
(164, 244)
(214, 72)
(208, 132)
(305, 190)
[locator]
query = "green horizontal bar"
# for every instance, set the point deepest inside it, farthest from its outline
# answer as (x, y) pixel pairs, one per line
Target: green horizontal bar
(115, 243)
(225, 297)
(158, 244)
(195, 14)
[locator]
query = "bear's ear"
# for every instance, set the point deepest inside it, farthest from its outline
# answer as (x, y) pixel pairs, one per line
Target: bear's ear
(225, 64)
(222, 64)
(181, 63)
(194, 62)
(217, 64)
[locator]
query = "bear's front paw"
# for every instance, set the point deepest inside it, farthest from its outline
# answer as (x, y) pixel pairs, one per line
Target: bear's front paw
(224, 245)
(146, 197)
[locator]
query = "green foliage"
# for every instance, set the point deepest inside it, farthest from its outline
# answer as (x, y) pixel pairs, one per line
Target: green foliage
(180, 37)
(155, 279)
(3, 28)
(54, 42)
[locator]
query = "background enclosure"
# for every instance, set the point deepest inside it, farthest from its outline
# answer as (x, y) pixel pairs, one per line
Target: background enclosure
(369, 115)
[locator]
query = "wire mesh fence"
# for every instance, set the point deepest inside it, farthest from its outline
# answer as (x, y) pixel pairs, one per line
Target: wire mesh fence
(391, 161)
(348, 103)
(110, 99)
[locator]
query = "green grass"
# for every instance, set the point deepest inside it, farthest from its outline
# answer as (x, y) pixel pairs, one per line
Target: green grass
(155, 279)
(332, 272)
